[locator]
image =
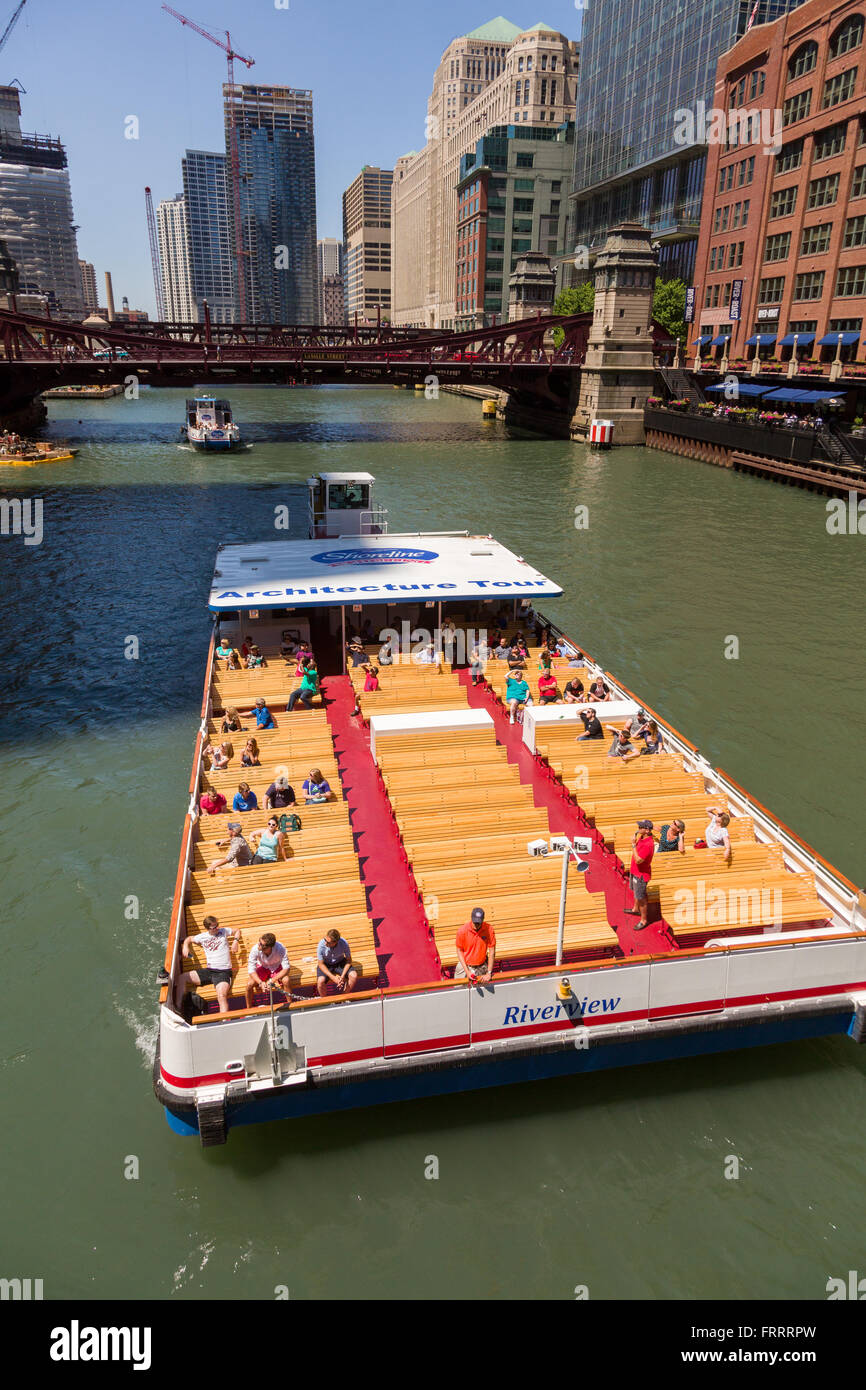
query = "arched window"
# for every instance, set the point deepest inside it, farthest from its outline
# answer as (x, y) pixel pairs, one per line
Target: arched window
(803, 60)
(849, 35)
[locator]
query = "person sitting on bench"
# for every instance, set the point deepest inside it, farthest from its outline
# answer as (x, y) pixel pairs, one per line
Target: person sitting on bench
(245, 799)
(225, 649)
(672, 837)
(476, 949)
(239, 853)
(219, 945)
(268, 966)
(334, 957)
(516, 694)
(622, 746)
(355, 652)
(254, 659)
(250, 754)
(548, 690)
(308, 687)
(270, 845)
(591, 725)
(716, 833)
(279, 794)
(599, 691)
(264, 718)
(212, 803)
(231, 721)
(573, 691)
(315, 788)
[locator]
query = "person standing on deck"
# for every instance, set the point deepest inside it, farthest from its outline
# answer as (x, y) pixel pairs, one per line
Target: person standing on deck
(641, 870)
(219, 945)
(478, 661)
(476, 949)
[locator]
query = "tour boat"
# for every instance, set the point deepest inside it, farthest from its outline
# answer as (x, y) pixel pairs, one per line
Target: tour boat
(441, 804)
(209, 424)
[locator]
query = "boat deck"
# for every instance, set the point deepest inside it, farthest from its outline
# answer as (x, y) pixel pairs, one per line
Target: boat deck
(439, 823)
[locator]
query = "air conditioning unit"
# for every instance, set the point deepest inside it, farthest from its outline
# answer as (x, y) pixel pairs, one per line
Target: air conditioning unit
(537, 847)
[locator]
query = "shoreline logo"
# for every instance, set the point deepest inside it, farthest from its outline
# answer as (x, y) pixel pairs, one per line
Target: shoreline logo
(375, 557)
(77, 1343)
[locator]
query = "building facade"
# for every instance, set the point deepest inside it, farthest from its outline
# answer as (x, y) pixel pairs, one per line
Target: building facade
(642, 61)
(332, 307)
(789, 247)
(208, 235)
(367, 243)
(174, 260)
(88, 285)
(491, 78)
(36, 218)
(276, 160)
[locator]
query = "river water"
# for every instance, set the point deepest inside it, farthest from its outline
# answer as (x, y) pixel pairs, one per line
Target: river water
(615, 1181)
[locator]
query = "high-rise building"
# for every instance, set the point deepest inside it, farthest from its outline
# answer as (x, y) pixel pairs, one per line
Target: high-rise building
(641, 62)
(788, 221)
(36, 218)
(367, 243)
(174, 258)
(276, 161)
(209, 235)
(88, 285)
(495, 78)
(332, 309)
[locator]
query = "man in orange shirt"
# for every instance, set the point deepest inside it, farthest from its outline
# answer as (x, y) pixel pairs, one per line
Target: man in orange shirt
(476, 948)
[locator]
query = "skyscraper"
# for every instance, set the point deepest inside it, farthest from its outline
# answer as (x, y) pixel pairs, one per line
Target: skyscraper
(209, 234)
(367, 242)
(36, 218)
(174, 259)
(88, 285)
(332, 309)
(276, 161)
(641, 61)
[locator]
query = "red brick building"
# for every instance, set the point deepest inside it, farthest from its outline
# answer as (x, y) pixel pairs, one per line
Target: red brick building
(787, 215)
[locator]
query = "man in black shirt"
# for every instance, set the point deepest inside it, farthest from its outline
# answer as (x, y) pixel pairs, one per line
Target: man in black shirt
(279, 794)
(592, 725)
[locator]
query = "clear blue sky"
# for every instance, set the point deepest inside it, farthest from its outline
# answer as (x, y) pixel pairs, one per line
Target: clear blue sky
(87, 64)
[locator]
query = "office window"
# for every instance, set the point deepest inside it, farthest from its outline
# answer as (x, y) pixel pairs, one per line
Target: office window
(771, 290)
(789, 157)
(802, 325)
(809, 285)
(797, 108)
(855, 232)
(823, 192)
(523, 160)
(735, 258)
(858, 187)
(838, 88)
(851, 282)
(777, 247)
(524, 185)
(816, 240)
(830, 141)
(803, 61)
(844, 325)
(849, 35)
(783, 202)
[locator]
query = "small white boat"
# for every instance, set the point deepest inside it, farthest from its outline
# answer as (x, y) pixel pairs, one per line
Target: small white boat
(209, 424)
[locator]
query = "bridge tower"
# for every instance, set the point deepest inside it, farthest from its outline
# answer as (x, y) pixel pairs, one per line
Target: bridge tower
(617, 375)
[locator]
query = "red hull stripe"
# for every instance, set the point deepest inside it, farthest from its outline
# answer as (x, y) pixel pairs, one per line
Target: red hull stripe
(554, 1025)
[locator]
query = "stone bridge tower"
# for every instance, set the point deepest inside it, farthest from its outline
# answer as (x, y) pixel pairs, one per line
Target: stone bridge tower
(618, 373)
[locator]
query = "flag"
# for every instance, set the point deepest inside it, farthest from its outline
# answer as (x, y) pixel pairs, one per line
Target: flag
(752, 15)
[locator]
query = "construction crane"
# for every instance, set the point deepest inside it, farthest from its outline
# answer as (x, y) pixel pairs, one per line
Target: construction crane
(235, 175)
(13, 21)
(154, 257)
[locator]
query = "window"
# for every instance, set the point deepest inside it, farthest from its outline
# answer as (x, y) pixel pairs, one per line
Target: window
(736, 255)
(726, 213)
(783, 202)
(858, 187)
(726, 297)
(556, 186)
(520, 65)
(849, 35)
(726, 178)
(524, 161)
(830, 141)
(797, 108)
(855, 232)
(802, 61)
(524, 185)
(838, 88)
(777, 247)
(851, 282)
(822, 192)
(816, 240)
(771, 290)
(802, 325)
(789, 157)
(523, 204)
(844, 325)
(717, 258)
(810, 285)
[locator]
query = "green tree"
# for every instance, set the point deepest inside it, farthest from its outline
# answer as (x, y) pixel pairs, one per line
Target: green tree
(580, 299)
(669, 307)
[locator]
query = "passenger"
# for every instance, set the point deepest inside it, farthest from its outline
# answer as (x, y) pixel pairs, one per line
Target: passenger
(255, 661)
(355, 652)
(315, 788)
(244, 799)
(239, 853)
(516, 694)
(478, 659)
(270, 845)
(716, 833)
(427, 657)
(573, 691)
(225, 649)
(268, 965)
(246, 647)
(308, 687)
(264, 718)
(578, 659)
(591, 725)
(599, 691)
(371, 680)
(476, 949)
(212, 803)
(519, 648)
(288, 649)
(231, 721)
(502, 650)
(234, 661)
(640, 871)
(622, 746)
(672, 837)
(220, 757)
(516, 661)
(548, 690)
(334, 964)
(250, 754)
(279, 795)
(652, 737)
(386, 656)
(219, 945)
(304, 654)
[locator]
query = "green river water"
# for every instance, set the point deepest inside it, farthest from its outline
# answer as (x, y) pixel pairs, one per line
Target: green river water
(615, 1180)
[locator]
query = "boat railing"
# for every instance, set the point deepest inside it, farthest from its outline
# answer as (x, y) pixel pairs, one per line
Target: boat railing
(374, 522)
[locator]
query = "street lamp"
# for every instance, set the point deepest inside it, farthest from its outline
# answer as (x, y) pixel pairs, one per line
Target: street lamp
(561, 845)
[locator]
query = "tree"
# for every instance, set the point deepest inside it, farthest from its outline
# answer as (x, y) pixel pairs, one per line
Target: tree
(577, 300)
(669, 307)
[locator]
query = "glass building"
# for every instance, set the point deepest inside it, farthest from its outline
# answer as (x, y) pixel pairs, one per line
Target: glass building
(640, 61)
(276, 159)
(208, 234)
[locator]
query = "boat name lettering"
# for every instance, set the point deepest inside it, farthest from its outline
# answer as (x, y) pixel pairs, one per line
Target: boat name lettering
(370, 589)
(515, 1013)
(375, 557)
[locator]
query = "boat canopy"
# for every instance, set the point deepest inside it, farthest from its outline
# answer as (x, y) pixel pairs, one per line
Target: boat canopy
(372, 569)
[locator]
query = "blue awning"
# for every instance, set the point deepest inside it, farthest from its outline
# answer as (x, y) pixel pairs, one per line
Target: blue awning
(787, 393)
(761, 340)
(722, 338)
(744, 388)
(831, 339)
(702, 340)
(803, 397)
(802, 339)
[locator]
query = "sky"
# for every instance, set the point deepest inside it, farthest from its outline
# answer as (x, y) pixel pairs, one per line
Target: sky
(87, 65)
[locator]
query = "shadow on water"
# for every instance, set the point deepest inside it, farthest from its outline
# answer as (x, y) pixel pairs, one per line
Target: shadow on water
(166, 433)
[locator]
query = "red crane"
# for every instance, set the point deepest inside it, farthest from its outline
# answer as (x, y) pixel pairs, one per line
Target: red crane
(231, 54)
(154, 258)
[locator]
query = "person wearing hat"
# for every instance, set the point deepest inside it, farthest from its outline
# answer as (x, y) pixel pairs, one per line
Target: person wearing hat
(239, 853)
(622, 746)
(279, 794)
(476, 949)
(356, 653)
(640, 870)
(264, 718)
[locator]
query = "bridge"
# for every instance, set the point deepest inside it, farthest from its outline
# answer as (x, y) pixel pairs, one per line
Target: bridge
(521, 358)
